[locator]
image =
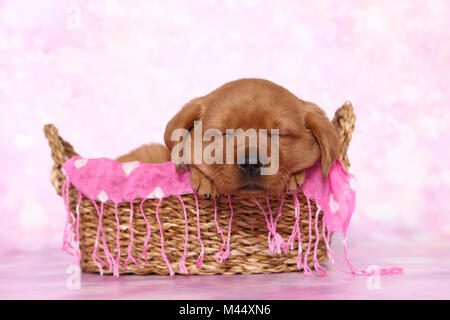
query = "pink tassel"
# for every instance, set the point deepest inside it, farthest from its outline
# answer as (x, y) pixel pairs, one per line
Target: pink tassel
(182, 266)
(68, 227)
(269, 226)
(347, 263)
(227, 251)
(330, 252)
(202, 253)
(117, 260)
(277, 241)
(296, 231)
(279, 210)
(274, 241)
(219, 253)
(130, 246)
(382, 271)
(306, 270)
(63, 195)
(163, 252)
(95, 257)
(77, 221)
(105, 245)
(149, 232)
(321, 270)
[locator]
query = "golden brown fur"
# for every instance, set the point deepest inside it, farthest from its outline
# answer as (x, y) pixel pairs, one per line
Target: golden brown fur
(151, 153)
(305, 135)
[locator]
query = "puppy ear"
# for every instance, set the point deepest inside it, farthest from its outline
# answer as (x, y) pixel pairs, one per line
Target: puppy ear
(327, 137)
(184, 119)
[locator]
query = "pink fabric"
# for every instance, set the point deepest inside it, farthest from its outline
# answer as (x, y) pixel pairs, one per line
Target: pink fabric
(219, 253)
(182, 266)
(230, 221)
(107, 180)
(335, 195)
(163, 251)
(125, 181)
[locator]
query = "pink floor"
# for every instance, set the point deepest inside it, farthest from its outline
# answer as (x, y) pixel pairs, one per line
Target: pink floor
(426, 276)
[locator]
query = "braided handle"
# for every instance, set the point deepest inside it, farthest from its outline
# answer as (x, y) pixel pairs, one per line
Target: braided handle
(344, 121)
(61, 151)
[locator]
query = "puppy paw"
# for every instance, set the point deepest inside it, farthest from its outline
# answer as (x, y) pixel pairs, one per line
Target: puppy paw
(295, 180)
(201, 183)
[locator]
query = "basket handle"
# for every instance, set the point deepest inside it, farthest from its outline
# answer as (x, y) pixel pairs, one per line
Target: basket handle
(344, 121)
(61, 151)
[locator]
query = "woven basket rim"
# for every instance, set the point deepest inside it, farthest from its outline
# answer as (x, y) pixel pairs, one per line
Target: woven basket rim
(62, 151)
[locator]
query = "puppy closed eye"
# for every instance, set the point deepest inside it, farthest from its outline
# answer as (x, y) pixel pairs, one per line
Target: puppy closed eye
(283, 134)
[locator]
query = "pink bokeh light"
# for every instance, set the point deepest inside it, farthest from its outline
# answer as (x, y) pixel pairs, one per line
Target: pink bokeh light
(110, 74)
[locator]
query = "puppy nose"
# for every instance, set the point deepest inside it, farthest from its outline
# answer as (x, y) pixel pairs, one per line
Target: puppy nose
(251, 169)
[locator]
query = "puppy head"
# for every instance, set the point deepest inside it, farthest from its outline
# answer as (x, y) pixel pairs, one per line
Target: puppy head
(298, 134)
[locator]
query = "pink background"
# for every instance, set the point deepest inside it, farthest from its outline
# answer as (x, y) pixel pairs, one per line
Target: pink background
(110, 74)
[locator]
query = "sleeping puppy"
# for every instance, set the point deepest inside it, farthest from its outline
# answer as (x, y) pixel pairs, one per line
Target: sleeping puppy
(301, 130)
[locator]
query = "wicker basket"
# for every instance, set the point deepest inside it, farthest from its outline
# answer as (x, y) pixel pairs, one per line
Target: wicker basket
(249, 245)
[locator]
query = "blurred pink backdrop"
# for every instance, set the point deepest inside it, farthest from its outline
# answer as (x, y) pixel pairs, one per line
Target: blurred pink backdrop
(110, 74)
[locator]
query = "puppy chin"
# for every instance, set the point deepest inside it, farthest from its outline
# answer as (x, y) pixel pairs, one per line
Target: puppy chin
(250, 189)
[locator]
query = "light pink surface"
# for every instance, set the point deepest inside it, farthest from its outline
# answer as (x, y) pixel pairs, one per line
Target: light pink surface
(425, 277)
(110, 75)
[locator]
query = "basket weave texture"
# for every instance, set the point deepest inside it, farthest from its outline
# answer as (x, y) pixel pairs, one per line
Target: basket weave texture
(139, 247)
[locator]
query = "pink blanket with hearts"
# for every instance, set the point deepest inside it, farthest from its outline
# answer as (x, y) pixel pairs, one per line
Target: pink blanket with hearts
(108, 180)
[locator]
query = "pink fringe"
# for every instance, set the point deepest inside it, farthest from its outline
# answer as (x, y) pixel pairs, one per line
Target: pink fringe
(320, 270)
(68, 227)
(382, 271)
(63, 195)
(306, 270)
(277, 241)
(130, 246)
(219, 231)
(149, 232)
(116, 261)
(163, 252)
(296, 231)
(227, 251)
(269, 227)
(330, 253)
(77, 221)
(105, 245)
(95, 257)
(280, 210)
(202, 253)
(347, 263)
(182, 266)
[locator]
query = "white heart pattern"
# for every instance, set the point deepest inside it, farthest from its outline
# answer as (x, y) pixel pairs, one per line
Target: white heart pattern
(157, 193)
(79, 163)
(334, 206)
(128, 167)
(102, 196)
